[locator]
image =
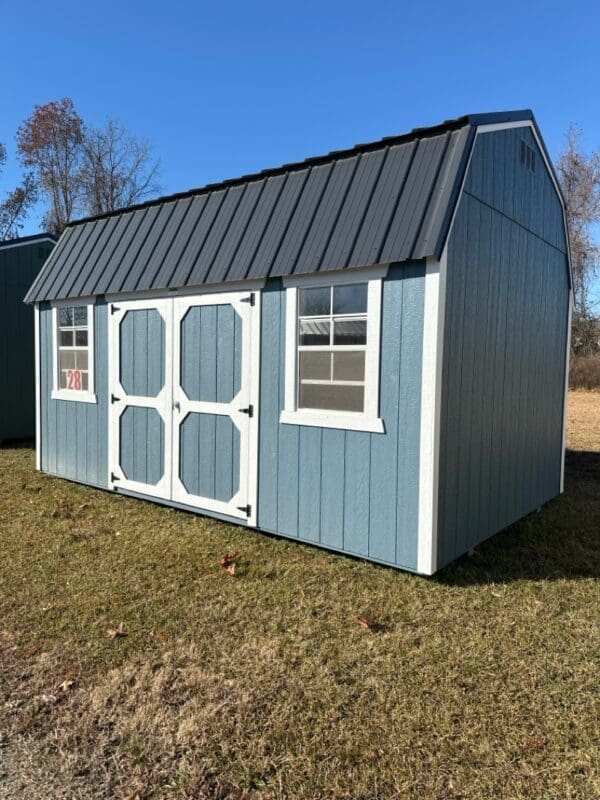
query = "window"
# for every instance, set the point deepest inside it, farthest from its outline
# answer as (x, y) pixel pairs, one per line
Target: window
(332, 340)
(332, 351)
(527, 156)
(73, 353)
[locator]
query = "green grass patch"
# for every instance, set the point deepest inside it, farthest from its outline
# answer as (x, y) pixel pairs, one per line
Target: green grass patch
(479, 683)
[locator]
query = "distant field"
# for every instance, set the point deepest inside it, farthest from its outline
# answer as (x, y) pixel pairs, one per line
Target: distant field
(480, 683)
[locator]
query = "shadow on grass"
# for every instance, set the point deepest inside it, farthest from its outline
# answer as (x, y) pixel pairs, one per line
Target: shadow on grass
(562, 541)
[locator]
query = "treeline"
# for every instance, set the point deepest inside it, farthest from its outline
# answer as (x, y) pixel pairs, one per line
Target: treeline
(74, 169)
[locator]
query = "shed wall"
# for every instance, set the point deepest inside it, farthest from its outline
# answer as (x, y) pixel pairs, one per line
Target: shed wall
(504, 347)
(74, 436)
(347, 490)
(19, 267)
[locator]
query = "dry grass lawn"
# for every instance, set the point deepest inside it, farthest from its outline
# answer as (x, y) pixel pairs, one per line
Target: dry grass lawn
(480, 683)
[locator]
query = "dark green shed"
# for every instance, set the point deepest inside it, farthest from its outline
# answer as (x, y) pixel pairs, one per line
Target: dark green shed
(20, 262)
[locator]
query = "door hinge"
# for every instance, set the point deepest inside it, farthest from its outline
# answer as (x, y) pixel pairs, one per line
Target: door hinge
(246, 509)
(113, 308)
(249, 299)
(114, 398)
(249, 410)
(114, 477)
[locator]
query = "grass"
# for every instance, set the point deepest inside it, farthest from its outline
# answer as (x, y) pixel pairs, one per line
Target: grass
(479, 683)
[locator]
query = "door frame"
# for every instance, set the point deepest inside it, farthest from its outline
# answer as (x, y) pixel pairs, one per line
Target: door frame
(168, 308)
(249, 312)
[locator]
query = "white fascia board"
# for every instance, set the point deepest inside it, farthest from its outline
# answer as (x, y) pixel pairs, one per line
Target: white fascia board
(38, 389)
(9, 246)
(566, 395)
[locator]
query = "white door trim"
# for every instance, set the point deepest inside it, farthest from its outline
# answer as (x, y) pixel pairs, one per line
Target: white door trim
(162, 402)
(246, 496)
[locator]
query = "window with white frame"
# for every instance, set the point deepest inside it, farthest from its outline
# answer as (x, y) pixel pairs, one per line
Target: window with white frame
(332, 351)
(332, 341)
(73, 351)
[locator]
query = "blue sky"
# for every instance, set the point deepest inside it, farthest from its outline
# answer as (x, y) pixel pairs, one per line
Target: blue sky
(225, 88)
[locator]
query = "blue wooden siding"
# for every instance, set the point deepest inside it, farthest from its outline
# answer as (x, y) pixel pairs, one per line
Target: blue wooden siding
(142, 352)
(142, 444)
(211, 353)
(347, 490)
(210, 456)
(504, 352)
(74, 436)
(19, 267)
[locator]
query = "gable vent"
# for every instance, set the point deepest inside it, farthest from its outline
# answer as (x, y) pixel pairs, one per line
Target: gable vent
(527, 156)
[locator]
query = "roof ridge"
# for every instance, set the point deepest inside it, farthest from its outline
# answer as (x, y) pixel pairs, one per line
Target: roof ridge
(365, 147)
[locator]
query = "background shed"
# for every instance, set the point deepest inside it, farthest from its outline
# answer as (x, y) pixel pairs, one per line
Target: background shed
(366, 351)
(20, 262)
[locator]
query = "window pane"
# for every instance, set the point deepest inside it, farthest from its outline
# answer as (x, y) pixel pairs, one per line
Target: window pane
(65, 316)
(66, 359)
(349, 366)
(350, 299)
(350, 331)
(314, 331)
(62, 378)
(66, 338)
(81, 338)
(80, 315)
(315, 366)
(84, 381)
(314, 302)
(334, 398)
(81, 359)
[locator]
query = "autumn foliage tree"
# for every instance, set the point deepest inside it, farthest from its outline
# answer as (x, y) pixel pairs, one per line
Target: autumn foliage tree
(16, 204)
(81, 170)
(50, 142)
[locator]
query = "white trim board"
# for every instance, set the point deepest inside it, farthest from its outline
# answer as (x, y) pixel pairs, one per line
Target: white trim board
(38, 388)
(9, 246)
(431, 391)
(566, 397)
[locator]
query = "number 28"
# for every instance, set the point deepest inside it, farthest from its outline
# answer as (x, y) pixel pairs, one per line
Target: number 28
(74, 379)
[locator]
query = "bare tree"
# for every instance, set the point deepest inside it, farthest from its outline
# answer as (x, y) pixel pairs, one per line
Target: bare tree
(50, 143)
(16, 204)
(579, 175)
(118, 169)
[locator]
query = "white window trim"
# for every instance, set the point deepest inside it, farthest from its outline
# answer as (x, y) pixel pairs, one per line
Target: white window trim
(367, 420)
(87, 396)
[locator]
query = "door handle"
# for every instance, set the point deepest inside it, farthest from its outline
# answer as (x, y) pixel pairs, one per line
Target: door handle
(177, 405)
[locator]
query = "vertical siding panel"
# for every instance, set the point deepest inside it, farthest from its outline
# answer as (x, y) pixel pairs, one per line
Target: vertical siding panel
(356, 493)
(309, 480)
(384, 448)
(287, 489)
(332, 488)
(224, 458)
(208, 354)
(271, 381)
(409, 406)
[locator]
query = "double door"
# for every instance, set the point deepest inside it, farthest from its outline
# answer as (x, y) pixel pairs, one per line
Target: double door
(183, 391)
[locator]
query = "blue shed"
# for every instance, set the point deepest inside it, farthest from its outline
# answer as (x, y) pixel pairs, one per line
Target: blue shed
(20, 262)
(366, 351)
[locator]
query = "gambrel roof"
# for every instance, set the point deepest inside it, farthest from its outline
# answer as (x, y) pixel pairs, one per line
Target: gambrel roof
(381, 202)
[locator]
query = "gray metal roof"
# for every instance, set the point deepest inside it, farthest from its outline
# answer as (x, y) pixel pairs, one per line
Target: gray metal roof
(380, 202)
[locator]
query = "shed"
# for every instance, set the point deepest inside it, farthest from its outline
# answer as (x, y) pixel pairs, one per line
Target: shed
(21, 260)
(366, 351)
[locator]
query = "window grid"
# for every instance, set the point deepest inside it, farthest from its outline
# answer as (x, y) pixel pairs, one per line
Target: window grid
(330, 348)
(73, 359)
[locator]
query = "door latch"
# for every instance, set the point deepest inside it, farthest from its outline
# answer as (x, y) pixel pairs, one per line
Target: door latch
(177, 405)
(249, 410)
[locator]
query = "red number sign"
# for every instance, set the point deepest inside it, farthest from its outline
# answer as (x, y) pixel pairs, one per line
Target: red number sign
(74, 379)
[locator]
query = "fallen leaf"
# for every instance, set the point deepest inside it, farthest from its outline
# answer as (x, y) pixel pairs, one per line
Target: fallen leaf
(230, 568)
(66, 685)
(366, 622)
(114, 633)
(84, 506)
(48, 699)
(227, 559)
